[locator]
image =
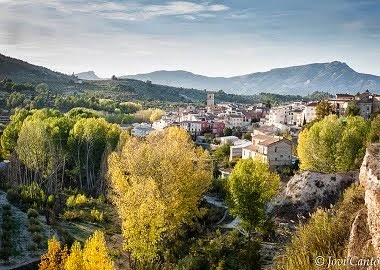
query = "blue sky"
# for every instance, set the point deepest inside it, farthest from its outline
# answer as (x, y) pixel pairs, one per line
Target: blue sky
(216, 38)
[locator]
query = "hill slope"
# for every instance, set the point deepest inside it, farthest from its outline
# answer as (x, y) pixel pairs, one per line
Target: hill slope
(21, 71)
(126, 89)
(333, 77)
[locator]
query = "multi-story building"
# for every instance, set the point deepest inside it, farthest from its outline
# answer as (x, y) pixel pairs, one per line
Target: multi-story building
(276, 150)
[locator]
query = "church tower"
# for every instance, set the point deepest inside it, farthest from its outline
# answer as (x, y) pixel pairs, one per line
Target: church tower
(210, 98)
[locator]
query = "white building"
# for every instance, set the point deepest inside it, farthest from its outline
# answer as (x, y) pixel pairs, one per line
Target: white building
(141, 130)
(236, 149)
(309, 113)
(277, 151)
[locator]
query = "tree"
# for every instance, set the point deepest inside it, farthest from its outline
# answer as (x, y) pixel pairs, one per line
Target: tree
(374, 135)
(333, 144)
(323, 109)
(55, 257)
(157, 184)
(352, 109)
(94, 256)
(75, 259)
(89, 140)
(251, 186)
(227, 131)
(95, 253)
(156, 115)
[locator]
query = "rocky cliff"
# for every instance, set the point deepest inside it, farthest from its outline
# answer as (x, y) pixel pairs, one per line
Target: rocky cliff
(307, 191)
(365, 233)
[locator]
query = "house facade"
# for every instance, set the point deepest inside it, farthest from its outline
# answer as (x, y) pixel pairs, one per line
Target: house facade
(275, 150)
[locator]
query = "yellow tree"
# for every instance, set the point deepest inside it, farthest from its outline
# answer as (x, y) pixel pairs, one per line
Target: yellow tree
(55, 257)
(157, 184)
(95, 253)
(75, 259)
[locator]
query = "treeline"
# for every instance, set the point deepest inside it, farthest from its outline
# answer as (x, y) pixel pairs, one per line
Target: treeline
(10, 86)
(57, 150)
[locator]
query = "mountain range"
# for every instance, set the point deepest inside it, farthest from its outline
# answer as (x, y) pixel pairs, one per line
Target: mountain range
(334, 77)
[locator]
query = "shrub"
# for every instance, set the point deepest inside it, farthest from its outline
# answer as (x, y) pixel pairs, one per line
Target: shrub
(7, 225)
(6, 207)
(71, 215)
(6, 213)
(76, 200)
(13, 196)
(5, 252)
(34, 228)
(326, 234)
(32, 213)
(37, 237)
(33, 247)
(34, 221)
(97, 215)
(32, 194)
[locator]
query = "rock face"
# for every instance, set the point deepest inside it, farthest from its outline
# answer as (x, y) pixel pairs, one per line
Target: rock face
(370, 179)
(306, 191)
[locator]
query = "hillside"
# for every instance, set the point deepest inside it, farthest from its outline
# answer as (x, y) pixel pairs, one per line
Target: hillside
(126, 89)
(332, 77)
(24, 72)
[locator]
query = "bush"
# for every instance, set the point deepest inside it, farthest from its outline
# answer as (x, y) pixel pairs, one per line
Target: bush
(97, 215)
(32, 194)
(6, 207)
(72, 215)
(76, 200)
(6, 213)
(34, 221)
(33, 247)
(37, 237)
(326, 234)
(32, 213)
(7, 225)
(13, 196)
(5, 252)
(35, 228)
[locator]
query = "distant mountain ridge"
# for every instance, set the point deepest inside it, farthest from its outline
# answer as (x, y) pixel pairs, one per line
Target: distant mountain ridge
(333, 77)
(88, 75)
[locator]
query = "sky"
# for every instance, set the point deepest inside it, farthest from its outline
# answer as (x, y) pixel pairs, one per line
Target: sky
(214, 38)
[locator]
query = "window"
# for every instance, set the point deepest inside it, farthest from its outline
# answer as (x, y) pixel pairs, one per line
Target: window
(275, 159)
(275, 149)
(281, 156)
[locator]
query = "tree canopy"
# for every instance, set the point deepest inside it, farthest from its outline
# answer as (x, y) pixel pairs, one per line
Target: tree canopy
(157, 185)
(251, 186)
(333, 144)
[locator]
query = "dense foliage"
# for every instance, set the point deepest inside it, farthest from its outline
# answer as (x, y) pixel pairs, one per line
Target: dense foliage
(251, 186)
(157, 185)
(333, 144)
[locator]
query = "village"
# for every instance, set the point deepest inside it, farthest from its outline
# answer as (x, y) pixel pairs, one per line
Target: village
(255, 130)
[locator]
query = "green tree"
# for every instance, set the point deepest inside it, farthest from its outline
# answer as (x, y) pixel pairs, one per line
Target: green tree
(251, 186)
(323, 109)
(352, 109)
(157, 184)
(333, 144)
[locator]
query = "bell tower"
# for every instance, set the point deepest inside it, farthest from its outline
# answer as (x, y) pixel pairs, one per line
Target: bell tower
(210, 98)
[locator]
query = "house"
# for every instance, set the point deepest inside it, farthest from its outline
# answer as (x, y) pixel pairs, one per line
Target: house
(236, 149)
(194, 127)
(309, 113)
(276, 150)
(141, 130)
(227, 139)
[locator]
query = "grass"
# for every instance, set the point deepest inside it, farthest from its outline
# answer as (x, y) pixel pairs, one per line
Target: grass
(326, 233)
